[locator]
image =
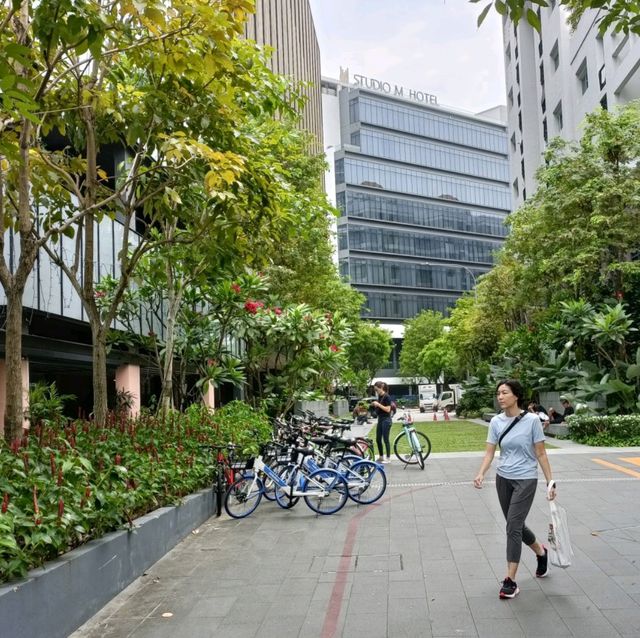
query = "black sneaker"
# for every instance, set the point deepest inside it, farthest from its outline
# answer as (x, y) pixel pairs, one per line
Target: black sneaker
(509, 589)
(543, 564)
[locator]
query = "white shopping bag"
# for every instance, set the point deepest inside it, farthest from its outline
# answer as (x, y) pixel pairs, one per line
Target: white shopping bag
(560, 551)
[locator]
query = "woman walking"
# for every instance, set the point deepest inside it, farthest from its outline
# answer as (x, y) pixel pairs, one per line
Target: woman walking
(521, 441)
(383, 410)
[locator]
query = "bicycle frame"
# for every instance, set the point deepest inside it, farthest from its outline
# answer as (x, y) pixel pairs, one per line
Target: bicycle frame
(260, 466)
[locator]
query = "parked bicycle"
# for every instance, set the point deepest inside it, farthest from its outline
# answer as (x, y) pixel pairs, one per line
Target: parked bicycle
(411, 446)
(325, 491)
(226, 471)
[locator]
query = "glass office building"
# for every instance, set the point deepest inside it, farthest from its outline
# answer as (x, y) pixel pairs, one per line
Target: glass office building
(423, 192)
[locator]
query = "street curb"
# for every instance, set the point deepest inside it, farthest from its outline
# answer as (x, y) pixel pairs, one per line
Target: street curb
(56, 599)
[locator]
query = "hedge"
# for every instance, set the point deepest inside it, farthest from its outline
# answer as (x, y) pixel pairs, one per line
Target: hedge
(618, 431)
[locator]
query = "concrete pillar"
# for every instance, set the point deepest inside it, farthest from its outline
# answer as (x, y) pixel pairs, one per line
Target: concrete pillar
(3, 391)
(209, 395)
(128, 380)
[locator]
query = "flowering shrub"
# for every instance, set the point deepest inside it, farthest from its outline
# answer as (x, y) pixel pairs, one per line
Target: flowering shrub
(623, 430)
(62, 487)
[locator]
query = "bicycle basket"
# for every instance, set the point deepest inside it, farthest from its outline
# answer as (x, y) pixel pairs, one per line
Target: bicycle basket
(241, 464)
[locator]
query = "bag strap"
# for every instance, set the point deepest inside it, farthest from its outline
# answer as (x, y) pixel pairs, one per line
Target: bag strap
(510, 426)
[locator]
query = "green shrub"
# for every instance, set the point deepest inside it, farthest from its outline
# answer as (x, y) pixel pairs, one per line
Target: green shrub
(623, 430)
(61, 487)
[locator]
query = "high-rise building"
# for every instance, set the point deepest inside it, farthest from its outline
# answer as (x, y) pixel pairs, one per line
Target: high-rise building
(287, 26)
(422, 190)
(557, 76)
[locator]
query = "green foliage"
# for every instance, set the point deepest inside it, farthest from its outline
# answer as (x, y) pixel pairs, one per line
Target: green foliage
(46, 406)
(478, 398)
(419, 332)
(618, 431)
(618, 15)
(437, 359)
(369, 350)
(240, 424)
(63, 487)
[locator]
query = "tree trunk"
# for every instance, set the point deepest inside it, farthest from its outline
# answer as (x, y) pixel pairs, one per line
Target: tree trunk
(14, 414)
(99, 338)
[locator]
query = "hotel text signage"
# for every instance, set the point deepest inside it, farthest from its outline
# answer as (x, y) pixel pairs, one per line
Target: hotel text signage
(394, 89)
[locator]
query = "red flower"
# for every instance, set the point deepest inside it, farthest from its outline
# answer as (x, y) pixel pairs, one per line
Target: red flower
(236, 288)
(277, 311)
(619, 294)
(253, 306)
(334, 348)
(100, 294)
(5, 502)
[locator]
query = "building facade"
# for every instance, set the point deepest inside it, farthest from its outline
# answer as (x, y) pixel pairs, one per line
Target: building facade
(422, 190)
(554, 78)
(287, 26)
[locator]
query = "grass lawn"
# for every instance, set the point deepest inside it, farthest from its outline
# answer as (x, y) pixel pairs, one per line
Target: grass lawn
(448, 436)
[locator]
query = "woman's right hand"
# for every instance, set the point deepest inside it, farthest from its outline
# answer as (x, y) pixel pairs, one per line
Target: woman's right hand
(477, 481)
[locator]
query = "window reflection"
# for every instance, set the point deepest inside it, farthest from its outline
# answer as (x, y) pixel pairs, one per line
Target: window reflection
(441, 126)
(431, 154)
(397, 242)
(422, 182)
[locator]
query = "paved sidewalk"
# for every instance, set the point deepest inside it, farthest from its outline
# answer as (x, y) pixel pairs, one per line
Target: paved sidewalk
(424, 562)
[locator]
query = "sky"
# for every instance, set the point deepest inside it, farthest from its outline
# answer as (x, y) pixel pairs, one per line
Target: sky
(433, 46)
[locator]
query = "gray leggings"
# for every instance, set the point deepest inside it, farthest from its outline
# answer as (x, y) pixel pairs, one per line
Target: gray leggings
(516, 498)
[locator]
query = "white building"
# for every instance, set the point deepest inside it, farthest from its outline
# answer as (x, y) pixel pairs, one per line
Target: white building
(554, 78)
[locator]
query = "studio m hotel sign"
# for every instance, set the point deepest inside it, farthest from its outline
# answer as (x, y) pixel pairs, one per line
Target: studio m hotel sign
(362, 81)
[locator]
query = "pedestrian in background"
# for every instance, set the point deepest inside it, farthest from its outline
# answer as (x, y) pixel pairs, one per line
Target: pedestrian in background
(521, 441)
(383, 411)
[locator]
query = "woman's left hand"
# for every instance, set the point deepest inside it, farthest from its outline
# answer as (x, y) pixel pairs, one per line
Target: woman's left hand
(551, 490)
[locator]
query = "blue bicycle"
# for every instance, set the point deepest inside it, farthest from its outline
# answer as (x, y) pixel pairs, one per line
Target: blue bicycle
(325, 491)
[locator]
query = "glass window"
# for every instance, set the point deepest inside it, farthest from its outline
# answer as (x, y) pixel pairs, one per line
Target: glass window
(583, 76)
(425, 183)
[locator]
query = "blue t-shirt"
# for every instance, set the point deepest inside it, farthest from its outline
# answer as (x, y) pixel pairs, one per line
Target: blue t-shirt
(518, 458)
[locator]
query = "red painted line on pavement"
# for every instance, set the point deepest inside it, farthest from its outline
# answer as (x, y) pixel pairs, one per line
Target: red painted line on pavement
(334, 607)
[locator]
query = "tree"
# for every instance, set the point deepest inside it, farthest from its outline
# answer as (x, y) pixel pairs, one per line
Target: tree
(419, 332)
(436, 359)
(369, 349)
(621, 15)
(580, 232)
(172, 85)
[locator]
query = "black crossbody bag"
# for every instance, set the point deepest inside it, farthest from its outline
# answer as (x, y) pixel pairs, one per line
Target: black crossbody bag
(510, 426)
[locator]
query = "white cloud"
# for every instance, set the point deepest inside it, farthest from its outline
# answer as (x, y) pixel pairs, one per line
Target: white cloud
(430, 45)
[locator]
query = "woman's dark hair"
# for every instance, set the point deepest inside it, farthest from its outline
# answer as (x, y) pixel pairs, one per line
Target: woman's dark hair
(382, 385)
(516, 387)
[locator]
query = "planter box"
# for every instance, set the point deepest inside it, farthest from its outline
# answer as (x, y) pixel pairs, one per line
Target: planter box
(59, 597)
(319, 408)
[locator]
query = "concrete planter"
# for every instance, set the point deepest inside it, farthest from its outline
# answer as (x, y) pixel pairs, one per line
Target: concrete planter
(341, 408)
(319, 408)
(55, 600)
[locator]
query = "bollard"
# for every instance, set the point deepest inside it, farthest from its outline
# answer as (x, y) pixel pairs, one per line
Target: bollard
(446, 415)
(435, 416)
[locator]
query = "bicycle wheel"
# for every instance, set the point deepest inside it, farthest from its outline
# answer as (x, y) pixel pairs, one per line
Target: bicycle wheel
(283, 494)
(243, 496)
(327, 491)
(370, 485)
(366, 446)
(406, 452)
